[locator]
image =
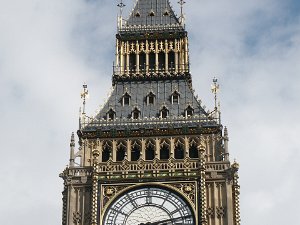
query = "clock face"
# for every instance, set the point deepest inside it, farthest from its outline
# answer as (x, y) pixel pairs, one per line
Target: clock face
(149, 205)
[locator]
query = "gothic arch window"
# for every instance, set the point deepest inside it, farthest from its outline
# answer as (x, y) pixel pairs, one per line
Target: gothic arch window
(150, 150)
(175, 97)
(135, 150)
(126, 99)
(121, 151)
(111, 114)
(135, 114)
(164, 112)
(164, 152)
(151, 61)
(132, 62)
(106, 151)
(161, 61)
(179, 149)
(189, 111)
(150, 99)
(193, 151)
(171, 61)
(142, 59)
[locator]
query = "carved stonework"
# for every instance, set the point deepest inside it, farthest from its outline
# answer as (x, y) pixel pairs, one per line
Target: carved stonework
(221, 210)
(210, 212)
(187, 189)
(77, 217)
(110, 191)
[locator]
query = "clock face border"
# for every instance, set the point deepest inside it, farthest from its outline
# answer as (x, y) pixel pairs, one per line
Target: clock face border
(118, 191)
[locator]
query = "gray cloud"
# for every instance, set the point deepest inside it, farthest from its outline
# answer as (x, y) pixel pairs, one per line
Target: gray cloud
(49, 48)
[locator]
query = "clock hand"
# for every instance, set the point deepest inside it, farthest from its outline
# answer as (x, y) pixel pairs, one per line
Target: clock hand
(166, 221)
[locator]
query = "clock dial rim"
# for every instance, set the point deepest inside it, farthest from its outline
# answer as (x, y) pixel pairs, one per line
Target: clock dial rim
(157, 187)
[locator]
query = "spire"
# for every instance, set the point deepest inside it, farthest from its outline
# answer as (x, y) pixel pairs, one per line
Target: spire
(72, 153)
(226, 139)
(152, 13)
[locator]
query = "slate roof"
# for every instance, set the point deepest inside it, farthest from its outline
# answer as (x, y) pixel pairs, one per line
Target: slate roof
(138, 91)
(153, 13)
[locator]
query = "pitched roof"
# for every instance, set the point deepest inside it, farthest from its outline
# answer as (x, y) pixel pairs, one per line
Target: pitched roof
(162, 91)
(152, 13)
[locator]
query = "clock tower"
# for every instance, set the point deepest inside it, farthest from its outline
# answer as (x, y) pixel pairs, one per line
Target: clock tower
(153, 154)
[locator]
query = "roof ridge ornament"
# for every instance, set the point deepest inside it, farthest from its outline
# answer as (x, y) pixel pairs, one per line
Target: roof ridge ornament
(84, 95)
(121, 5)
(181, 3)
(215, 87)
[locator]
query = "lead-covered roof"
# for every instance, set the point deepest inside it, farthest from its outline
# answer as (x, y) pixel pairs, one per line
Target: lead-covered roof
(152, 13)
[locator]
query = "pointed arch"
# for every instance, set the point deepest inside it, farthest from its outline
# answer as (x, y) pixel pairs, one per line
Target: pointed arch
(179, 149)
(175, 97)
(164, 112)
(150, 149)
(193, 148)
(121, 151)
(165, 147)
(106, 150)
(135, 114)
(150, 98)
(126, 99)
(136, 147)
(189, 111)
(111, 114)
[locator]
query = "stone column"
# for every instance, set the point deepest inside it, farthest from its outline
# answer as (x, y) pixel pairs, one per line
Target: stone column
(176, 56)
(143, 149)
(147, 56)
(137, 67)
(127, 57)
(236, 193)
(172, 147)
(128, 149)
(122, 58)
(156, 56)
(94, 219)
(202, 170)
(186, 55)
(166, 56)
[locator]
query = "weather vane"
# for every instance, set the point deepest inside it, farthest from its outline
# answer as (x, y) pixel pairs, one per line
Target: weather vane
(181, 3)
(214, 89)
(84, 95)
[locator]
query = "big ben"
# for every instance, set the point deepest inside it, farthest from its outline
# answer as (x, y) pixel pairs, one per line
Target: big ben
(153, 154)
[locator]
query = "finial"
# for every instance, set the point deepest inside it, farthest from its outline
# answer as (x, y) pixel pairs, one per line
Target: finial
(72, 142)
(214, 89)
(84, 95)
(181, 3)
(121, 5)
(225, 132)
(72, 151)
(235, 165)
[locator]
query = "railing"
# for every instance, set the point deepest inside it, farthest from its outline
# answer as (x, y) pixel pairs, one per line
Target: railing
(139, 28)
(145, 168)
(78, 172)
(148, 69)
(144, 123)
(217, 166)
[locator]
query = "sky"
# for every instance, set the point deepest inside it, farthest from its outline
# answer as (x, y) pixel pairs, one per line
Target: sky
(48, 49)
